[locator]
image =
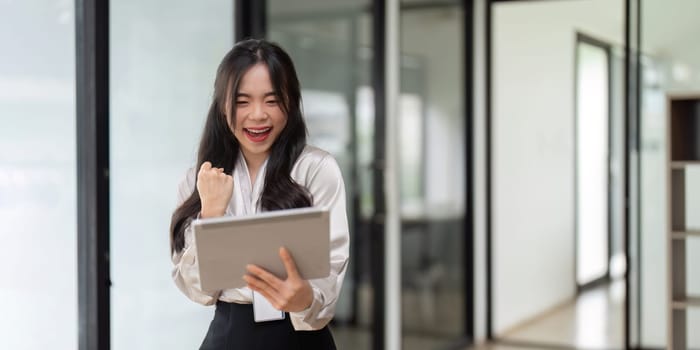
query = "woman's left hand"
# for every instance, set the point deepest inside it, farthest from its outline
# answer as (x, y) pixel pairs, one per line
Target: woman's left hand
(291, 295)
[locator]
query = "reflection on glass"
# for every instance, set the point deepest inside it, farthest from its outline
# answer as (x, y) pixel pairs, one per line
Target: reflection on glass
(38, 288)
(160, 92)
(432, 153)
(330, 45)
(411, 154)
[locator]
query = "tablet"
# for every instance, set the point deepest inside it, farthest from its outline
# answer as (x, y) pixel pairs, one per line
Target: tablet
(225, 245)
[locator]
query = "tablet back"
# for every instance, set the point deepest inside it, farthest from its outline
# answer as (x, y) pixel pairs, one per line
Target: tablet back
(226, 245)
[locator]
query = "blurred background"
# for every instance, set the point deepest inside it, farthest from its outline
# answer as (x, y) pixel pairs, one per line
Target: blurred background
(530, 159)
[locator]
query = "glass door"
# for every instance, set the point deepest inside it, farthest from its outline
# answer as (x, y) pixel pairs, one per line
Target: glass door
(331, 46)
(431, 166)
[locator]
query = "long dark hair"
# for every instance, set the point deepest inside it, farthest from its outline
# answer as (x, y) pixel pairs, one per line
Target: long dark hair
(220, 147)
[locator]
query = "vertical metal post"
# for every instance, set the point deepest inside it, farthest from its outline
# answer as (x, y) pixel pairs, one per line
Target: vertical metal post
(92, 121)
(392, 253)
(489, 172)
(377, 238)
(469, 134)
(250, 19)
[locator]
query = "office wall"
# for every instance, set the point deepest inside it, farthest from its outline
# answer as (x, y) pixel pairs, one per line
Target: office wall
(533, 150)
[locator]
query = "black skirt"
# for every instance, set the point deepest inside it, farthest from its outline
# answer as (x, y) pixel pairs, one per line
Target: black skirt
(233, 327)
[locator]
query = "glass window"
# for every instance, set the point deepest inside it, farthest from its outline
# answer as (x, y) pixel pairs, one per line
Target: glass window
(163, 58)
(432, 155)
(330, 43)
(38, 289)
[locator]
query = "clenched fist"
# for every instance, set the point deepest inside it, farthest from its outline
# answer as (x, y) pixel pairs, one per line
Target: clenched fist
(215, 190)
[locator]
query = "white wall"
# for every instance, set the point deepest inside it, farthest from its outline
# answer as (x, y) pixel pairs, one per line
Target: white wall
(533, 150)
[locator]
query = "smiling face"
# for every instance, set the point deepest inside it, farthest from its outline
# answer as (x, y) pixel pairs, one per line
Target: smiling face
(259, 115)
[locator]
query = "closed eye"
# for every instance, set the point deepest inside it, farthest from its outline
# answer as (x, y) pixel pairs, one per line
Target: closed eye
(271, 102)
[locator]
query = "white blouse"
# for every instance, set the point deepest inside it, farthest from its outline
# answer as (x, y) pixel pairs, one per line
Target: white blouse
(319, 173)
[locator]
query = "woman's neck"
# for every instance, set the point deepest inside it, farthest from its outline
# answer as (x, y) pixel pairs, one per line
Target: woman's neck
(254, 162)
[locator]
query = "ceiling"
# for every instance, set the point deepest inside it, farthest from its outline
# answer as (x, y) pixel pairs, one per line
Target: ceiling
(670, 28)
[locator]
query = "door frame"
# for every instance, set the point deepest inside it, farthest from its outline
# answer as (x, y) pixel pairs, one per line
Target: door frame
(631, 107)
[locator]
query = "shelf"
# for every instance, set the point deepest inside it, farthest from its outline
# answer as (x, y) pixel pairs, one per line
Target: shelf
(684, 128)
(684, 234)
(682, 164)
(683, 137)
(688, 302)
(684, 96)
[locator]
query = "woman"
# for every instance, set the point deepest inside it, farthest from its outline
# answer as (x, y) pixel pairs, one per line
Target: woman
(253, 157)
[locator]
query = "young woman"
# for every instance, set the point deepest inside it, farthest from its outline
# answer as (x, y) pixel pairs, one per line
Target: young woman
(253, 157)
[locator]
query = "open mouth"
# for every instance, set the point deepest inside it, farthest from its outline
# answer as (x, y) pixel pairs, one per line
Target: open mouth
(257, 134)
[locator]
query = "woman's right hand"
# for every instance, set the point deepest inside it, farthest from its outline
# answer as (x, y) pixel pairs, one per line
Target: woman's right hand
(215, 189)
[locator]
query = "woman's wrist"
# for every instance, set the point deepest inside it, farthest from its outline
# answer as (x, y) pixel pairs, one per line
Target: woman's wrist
(310, 297)
(211, 213)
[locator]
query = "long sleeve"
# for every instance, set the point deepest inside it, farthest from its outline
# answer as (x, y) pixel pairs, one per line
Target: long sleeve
(325, 183)
(185, 266)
